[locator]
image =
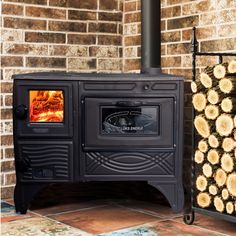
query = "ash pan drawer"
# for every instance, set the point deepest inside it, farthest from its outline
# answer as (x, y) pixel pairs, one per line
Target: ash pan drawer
(41, 161)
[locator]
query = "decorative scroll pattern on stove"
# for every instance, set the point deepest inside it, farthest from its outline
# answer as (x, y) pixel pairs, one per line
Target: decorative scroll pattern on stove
(46, 162)
(98, 163)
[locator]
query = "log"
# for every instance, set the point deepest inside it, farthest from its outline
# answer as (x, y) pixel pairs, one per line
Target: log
(228, 104)
(224, 125)
(232, 67)
(234, 134)
(206, 80)
(211, 112)
(227, 163)
(203, 200)
(219, 204)
(220, 70)
(202, 126)
(225, 194)
(199, 101)
(235, 121)
(227, 85)
(198, 157)
(231, 184)
(213, 190)
(228, 144)
(214, 140)
(207, 170)
(196, 86)
(220, 177)
(213, 96)
(213, 156)
(201, 183)
(229, 208)
(203, 146)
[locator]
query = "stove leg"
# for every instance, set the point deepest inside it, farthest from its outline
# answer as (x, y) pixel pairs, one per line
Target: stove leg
(173, 192)
(23, 194)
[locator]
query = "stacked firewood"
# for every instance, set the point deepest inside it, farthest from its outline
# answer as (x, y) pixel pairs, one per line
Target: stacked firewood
(215, 122)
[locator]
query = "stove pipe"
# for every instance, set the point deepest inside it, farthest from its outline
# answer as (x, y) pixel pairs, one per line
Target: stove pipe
(151, 36)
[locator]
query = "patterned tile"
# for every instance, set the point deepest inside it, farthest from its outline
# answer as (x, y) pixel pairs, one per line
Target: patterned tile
(39, 226)
(104, 219)
(8, 213)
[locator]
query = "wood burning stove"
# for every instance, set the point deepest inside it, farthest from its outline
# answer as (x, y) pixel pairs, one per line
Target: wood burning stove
(72, 127)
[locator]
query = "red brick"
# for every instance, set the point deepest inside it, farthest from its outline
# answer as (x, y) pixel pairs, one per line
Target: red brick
(182, 22)
(109, 40)
(132, 64)
(6, 114)
(133, 17)
(11, 61)
(81, 39)
(108, 5)
(48, 62)
(130, 6)
(132, 40)
(11, 9)
(6, 87)
(67, 26)
(7, 140)
(81, 15)
(39, 2)
(103, 27)
(170, 12)
(7, 192)
(107, 16)
(45, 37)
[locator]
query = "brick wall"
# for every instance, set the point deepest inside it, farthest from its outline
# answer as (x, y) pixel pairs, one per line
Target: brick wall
(58, 35)
(102, 36)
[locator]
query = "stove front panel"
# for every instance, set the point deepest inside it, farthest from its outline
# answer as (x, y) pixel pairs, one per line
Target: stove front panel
(43, 109)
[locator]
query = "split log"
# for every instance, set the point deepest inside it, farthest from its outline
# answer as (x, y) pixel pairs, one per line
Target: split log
(213, 190)
(220, 70)
(231, 184)
(228, 144)
(229, 208)
(225, 194)
(207, 170)
(214, 140)
(203, 200)
(199, 101)
(228, 104)
(234, 134)
(219, 204)
(206, 80)
(203, 146)
(213, 156)
(196, 86)
(213, 96)
(235, 121)
(227, 85)
(198, 157)
(224, 125)
(202, 126)
(220, 177)
(227, 163)
(232, 67)
(201, 183)
(211, 112)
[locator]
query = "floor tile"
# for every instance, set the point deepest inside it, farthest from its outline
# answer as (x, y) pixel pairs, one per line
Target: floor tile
(215, 224)
(8, 213)
(39, 226)
(174, 228)
(104, 219)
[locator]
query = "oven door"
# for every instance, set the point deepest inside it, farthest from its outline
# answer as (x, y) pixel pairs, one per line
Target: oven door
(43, 109)
(128, 123)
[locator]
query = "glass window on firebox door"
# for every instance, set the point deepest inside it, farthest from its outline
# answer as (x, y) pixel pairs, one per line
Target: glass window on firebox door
(46, 106)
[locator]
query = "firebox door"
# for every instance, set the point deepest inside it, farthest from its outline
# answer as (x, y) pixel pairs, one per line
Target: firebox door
(128, 123)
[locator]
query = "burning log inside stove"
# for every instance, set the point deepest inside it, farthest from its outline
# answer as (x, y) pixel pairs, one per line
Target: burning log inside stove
(46, 106)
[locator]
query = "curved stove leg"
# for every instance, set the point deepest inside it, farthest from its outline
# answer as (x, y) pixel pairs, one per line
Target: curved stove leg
(189, 218)
(173, 192)
(23, 194)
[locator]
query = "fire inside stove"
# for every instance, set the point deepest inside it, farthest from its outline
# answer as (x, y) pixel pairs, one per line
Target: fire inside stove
(46, 106)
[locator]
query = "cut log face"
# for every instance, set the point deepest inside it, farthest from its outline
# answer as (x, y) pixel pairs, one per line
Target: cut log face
(193, 87)
(228, 144)
(199, 157)
(203, 146)
(213, 156)
(199, 101)
(226, 85)
(213, 190)
(227, 104)
(219, 71)
(213, 97)
(225, 194)
(201, 183)
(224, 125)
(219, 204)
(207, 170)
(206, 80)
(231, 184)
(213, 141)
(211, 112)
(220, 177)
(203, 200)
(202, 126)
(227, 163)
(232, 67)
(229, 208)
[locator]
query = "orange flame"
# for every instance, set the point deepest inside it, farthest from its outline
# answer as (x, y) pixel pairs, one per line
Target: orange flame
(46, 106)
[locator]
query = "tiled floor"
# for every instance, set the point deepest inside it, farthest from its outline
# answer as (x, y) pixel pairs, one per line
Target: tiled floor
(106, 217)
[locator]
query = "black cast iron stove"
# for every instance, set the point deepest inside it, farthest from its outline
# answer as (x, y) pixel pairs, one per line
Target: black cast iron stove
(72, 127)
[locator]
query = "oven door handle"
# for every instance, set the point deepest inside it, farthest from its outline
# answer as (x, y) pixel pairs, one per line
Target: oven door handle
(129, 104)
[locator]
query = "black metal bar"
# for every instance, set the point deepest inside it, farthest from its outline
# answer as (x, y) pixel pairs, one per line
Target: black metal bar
(151, 36)
(214, 54)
